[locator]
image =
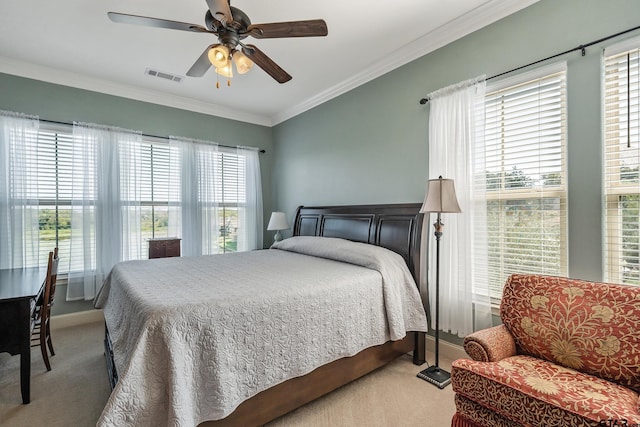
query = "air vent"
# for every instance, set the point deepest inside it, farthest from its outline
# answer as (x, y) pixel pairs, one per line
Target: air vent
(163, 75)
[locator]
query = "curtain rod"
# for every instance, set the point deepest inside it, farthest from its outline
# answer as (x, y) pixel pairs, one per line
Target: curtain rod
(581, 48)
(143, 134)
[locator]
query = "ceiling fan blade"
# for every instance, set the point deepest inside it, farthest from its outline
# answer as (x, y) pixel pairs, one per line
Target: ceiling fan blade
(202, 64)
(266, 63)
(156, 22)
(220, 10)
(312, 28)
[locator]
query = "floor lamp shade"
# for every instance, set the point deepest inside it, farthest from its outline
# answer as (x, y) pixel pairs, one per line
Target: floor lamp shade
(278, 221)
(440, 198)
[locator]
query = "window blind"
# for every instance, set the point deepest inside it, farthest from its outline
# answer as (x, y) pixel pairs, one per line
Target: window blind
(52, 154)
(525, 128)
(622, 164)
(230, 190)
(54, 193)
(156, 190)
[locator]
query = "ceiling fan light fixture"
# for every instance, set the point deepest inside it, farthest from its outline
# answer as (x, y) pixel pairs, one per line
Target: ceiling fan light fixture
(219, 56)
(243, 63)
(226, 71)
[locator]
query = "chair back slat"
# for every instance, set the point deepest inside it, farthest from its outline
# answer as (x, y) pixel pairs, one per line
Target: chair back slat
(53, 275)
(41, 331)
(50, 281)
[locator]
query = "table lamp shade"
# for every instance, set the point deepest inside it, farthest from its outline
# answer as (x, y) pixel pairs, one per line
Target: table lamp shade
(441, 197)
(278, 221)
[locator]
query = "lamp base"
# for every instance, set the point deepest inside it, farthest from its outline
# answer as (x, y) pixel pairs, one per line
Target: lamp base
(436, 376)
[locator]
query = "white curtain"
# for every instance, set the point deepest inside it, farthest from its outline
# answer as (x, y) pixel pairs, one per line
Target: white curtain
(456, 151)
(250, 218)
(105, 219)
(19, 225)
(215, 181)
(194, 165)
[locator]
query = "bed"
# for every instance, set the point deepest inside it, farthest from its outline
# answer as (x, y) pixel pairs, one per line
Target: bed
(241, 339)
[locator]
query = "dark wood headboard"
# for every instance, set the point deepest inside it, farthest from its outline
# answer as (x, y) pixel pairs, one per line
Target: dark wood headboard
(397, 227)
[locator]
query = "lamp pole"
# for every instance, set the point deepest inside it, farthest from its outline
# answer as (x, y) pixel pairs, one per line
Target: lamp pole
(440, 198)
(438, 233)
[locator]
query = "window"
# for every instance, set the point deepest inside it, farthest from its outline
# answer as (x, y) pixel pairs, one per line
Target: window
(53, 192)
(230, 190)
(156, 191)
(622, 161)
(220, 212)
(525, 180)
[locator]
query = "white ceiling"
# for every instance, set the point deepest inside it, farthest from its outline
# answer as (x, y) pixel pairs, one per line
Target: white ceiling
(72, 42)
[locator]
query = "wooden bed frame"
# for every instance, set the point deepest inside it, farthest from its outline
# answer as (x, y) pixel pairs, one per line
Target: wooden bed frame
(397, 227)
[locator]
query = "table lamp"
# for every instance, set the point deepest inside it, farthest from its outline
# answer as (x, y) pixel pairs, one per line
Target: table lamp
(278, 221)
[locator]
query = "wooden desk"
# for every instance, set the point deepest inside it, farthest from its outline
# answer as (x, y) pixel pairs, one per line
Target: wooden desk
(19, 291)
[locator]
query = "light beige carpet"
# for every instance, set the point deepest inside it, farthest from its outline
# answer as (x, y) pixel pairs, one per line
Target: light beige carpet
(74, 392)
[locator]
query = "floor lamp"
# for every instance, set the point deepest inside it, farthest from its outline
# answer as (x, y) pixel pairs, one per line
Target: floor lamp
(440, 198)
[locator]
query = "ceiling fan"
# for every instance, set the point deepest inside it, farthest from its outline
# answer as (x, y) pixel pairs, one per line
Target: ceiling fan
(231, 26)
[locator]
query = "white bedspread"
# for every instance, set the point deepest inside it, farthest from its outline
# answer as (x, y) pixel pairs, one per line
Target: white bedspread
(194, 337)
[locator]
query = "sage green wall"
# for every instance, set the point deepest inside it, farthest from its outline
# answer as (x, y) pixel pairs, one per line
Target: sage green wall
(370, 145)
(62, 103)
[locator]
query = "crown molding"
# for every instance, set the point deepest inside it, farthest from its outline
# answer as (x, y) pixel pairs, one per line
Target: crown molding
(480, 17)
(67, 78)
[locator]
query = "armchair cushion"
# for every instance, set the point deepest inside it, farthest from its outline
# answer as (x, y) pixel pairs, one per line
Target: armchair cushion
(532, 391)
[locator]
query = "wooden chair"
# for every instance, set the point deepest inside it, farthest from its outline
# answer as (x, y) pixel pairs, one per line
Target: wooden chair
(41, 332)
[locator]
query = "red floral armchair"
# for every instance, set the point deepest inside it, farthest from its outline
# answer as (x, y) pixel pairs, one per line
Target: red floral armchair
(567, 354)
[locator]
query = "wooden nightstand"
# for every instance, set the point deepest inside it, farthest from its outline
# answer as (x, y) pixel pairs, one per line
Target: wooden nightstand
(164, 247)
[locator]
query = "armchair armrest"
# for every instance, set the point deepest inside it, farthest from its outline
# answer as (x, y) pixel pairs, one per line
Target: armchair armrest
(490, 345)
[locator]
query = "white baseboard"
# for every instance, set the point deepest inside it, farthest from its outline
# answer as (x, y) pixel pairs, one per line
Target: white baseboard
(446, 349)
(78, 318)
